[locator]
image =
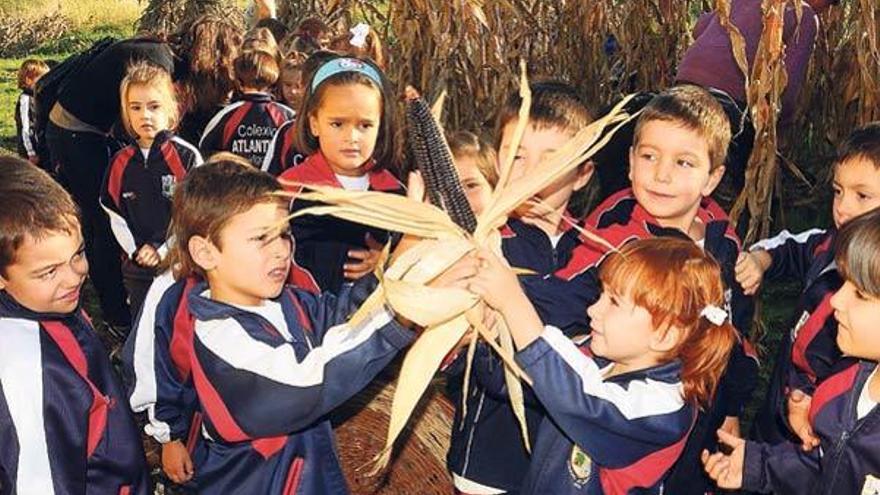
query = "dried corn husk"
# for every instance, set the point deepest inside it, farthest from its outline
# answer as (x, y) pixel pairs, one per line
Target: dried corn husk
(449, 313)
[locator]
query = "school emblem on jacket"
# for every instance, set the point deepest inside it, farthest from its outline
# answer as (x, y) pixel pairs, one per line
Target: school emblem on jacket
(871, 486)
(580, 466)
(168, 183)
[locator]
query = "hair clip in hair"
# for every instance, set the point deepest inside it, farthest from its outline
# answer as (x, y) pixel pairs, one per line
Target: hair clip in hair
(359, 34)
(714, 314)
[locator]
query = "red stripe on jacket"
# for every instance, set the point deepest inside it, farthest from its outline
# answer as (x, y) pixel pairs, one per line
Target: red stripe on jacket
(117, 170)
(808, 332)
(836, 385)
(66, 341)
(233, 123)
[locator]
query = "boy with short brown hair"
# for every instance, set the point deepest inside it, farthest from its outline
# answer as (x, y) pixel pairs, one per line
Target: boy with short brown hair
(269, 361)
(487, 454)
(62, 427)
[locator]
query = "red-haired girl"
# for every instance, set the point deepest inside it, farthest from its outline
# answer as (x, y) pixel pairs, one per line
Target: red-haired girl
(620, 404)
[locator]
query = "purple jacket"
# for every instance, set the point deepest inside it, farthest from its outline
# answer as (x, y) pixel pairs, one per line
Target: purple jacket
(709, 60)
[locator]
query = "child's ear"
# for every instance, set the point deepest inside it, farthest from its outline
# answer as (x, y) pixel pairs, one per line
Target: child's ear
(313, 125)
(585, 173)
(203, 252)
(629, 171)
(714, 179)
(664, 341)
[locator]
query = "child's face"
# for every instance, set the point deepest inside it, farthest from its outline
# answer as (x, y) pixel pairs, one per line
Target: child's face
(621, 330)
(856, 315)
(48, 273)
(671, 172)
(856, 189)
(291, 88)
(474, 183)
(148, 111)
(252, 264)
(536, 145)
(346, 124)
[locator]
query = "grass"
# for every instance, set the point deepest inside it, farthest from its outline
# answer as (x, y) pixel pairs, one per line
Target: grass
(91, 20)
(85, 15)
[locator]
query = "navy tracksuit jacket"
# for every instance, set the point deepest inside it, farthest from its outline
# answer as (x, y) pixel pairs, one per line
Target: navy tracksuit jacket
(486, 446)
(808, 353)
(245, 127)
(65, 428)
(323, 242)
(848, 458)
(137, 191)
(619, 435)
(265, 392)
(282, 155)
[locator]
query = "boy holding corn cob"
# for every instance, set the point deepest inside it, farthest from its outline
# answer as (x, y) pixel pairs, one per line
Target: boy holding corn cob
(269, 361)
(487, 454)
(676, 161)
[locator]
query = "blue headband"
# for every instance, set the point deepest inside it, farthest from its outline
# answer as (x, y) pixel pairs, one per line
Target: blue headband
(339, 65)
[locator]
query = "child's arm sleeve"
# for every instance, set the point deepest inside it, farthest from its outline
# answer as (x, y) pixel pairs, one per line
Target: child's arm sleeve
(561, 299)
(741, 376)
(27, 130)
(269, 391)
(488, 374)
(814, 352)
(791, 254)
(782, 468)
(615, 425)
(211, 140)
(111, 202)
(157, 384)
(272, 160)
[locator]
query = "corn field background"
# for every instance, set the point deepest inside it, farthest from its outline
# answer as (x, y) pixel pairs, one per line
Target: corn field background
(609, 48)
(606, 48)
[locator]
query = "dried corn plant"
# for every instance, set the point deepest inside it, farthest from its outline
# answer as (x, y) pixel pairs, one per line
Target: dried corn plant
(765, 82)
(843, 90)
(168, 16)
(447, 313)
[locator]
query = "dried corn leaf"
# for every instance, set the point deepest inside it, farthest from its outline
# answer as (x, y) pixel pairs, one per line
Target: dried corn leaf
(419, 366)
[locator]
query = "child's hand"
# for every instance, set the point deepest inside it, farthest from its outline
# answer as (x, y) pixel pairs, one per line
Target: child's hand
(726, 469)
(459, 275)
(367, 259)
(750, 268)
(799, 419)
(731, 425)
(147, 256)
(495, 282)
(176, 462)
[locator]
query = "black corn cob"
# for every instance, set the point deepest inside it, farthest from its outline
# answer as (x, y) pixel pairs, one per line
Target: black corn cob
(434, 160)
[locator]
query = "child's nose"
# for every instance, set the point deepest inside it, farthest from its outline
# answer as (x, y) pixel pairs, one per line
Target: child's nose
(663, 171)
(838, 298)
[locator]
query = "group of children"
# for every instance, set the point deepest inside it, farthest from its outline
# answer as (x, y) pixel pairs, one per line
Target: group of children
(241, 346)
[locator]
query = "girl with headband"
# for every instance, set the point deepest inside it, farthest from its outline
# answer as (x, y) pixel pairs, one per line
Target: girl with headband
(345, 127)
